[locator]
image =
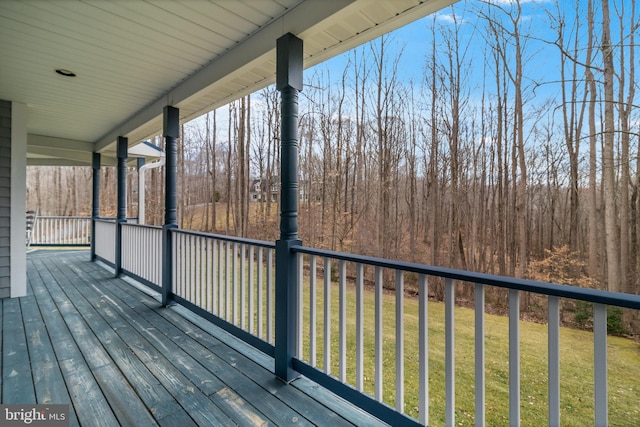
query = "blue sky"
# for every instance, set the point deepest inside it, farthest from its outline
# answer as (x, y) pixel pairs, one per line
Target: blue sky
(542, 88)
(542, 59)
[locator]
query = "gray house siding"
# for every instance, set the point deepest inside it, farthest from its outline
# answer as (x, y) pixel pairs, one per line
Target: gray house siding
(5, 199)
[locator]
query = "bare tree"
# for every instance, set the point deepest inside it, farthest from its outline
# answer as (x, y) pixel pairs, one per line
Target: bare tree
(612, 237)
(626, 96)
(593, 193)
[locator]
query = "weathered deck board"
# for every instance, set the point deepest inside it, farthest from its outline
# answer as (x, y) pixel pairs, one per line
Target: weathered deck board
(182, 375)
(17, 381)
(52, 387)
(83, 337)
(90, 405)
(115, 378)
(47, 376)
(188, 352)
(226, 360)
(181, 387)
(225, 370)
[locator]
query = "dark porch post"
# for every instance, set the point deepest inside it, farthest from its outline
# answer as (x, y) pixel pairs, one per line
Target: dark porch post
(289, 83)
(140, 163)
(95, 203)
(122, 148)
(171, 131)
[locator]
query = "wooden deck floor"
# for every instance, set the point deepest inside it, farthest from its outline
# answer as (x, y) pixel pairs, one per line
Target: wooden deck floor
(109, 350)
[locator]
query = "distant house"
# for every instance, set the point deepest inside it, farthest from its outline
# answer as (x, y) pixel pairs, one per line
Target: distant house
(258, 190)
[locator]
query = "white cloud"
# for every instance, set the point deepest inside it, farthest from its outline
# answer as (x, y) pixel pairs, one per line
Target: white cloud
(449, 18)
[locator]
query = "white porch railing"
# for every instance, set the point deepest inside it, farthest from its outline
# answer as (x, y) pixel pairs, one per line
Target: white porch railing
(231, 278)
(142, 252)
(105, 240)
(61, 230)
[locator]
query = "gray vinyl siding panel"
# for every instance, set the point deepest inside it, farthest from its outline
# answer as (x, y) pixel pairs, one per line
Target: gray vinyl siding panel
(5, 199)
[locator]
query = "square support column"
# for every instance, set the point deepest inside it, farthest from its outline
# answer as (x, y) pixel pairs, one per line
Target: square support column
(289, 83)
(13, 190)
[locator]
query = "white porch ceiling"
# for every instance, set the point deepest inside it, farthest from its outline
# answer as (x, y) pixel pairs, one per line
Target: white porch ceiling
(134, 57)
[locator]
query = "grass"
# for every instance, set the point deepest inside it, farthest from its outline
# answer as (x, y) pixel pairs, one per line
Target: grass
(576, 364)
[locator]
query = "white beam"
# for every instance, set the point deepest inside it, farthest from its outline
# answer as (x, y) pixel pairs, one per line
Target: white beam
(41, 161)
(145, 150)
(58, 143)
(55, 153)
(50, 161)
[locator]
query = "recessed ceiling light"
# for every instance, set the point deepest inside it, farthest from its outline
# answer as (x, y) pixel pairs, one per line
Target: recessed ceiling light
(66, 73)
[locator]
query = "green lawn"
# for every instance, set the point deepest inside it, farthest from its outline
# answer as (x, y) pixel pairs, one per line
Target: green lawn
(576, 364)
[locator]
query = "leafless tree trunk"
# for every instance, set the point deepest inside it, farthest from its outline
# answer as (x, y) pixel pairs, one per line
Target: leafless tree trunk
(433, 182)
(573, 116)
(626, 83)
(229, 169)
(612, 237)
(593, 193)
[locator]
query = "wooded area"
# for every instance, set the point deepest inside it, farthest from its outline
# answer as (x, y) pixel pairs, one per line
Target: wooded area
(487, 163)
